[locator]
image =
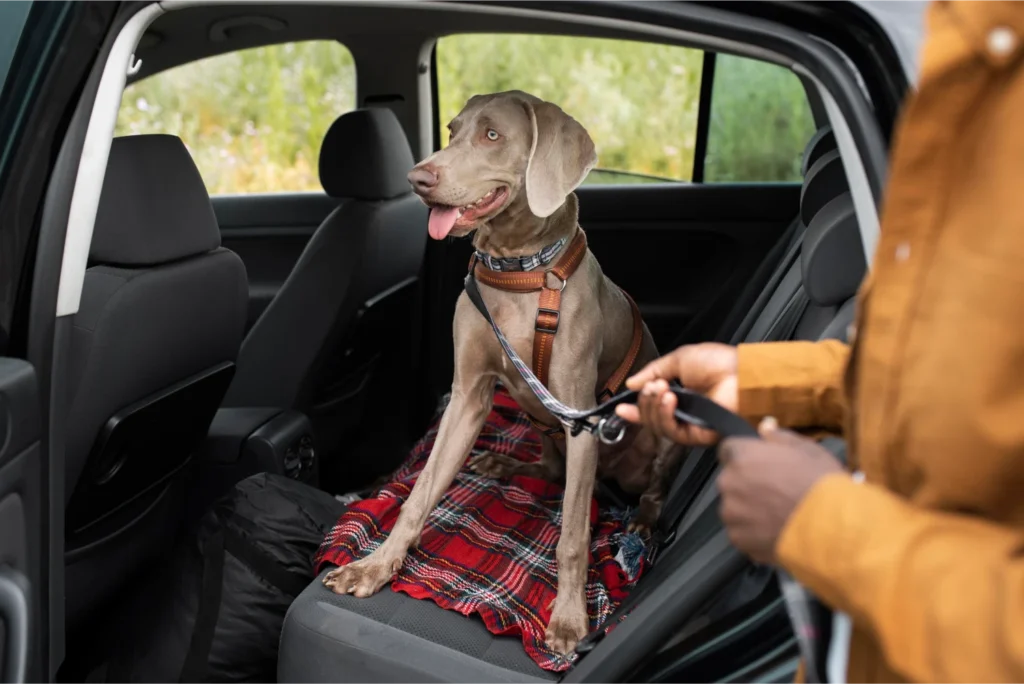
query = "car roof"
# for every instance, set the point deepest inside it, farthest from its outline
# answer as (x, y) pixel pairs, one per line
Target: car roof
(903, 22)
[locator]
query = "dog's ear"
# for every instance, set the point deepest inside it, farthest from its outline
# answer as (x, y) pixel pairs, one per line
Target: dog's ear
(561, 156)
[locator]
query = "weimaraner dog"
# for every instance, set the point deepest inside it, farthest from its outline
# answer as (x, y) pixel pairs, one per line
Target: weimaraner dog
(509, 173)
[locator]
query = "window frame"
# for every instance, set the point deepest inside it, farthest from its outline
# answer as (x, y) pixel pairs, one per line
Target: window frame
(704, 109)
(315, 158)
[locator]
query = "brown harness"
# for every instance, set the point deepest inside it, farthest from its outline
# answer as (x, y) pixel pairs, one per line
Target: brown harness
(548, 313)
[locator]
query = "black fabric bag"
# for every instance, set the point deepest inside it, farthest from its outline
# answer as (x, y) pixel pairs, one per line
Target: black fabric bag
(227, 592)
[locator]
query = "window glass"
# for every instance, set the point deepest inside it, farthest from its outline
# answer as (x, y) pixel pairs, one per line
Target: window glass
(253, 120)
(760, 123)
(13, 16)
(639, 101)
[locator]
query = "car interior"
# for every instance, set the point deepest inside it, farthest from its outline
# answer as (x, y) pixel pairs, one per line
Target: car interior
(307, 331)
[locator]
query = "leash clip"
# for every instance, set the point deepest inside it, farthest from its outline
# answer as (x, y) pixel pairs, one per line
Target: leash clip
(605, 427)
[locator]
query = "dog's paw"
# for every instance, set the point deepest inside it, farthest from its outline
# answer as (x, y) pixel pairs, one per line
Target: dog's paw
(567, 627)
(497, 466)
(364, 577)
(641, 527)
(647, 517)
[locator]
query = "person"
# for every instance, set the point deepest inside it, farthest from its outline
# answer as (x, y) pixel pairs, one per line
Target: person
(926, 554)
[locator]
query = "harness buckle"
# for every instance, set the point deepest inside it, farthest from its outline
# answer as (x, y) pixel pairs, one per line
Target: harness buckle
(543, 327)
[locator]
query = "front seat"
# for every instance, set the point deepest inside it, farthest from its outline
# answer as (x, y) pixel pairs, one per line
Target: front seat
(341, 335)
(153, 346)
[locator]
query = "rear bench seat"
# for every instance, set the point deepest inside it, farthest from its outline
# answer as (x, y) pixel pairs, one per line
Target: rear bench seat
(393, 637)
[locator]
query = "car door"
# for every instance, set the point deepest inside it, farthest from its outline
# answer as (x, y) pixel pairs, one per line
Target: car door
(24, 33)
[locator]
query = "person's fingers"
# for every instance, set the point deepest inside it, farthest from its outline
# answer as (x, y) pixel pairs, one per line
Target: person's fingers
(628, 412)
(648, 401)
(771, 432)
(726, 451)
(664, 367)
(665, 415)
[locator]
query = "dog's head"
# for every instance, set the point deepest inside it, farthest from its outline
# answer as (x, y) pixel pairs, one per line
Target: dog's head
(507, 150)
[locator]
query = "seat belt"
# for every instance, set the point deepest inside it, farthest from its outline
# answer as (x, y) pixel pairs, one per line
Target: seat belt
(680, 494)
(790, 257)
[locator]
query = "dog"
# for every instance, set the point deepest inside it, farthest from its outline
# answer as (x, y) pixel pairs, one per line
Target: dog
(508, 174)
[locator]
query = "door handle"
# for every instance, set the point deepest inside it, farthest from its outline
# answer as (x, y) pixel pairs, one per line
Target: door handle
(14, 590)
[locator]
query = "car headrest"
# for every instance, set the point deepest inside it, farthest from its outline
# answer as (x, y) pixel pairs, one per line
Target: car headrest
(365, 155)
(823, 182)
(153, 207)
(822, 142)
(832, 255)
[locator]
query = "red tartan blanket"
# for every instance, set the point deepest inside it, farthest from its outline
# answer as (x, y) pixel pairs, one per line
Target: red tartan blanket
(489, 546)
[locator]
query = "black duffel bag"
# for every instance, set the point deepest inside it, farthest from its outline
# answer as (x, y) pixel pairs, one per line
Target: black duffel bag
(220, 614)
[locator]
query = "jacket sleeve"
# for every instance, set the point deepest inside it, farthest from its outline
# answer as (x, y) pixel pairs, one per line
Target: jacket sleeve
(943, 593)
(798, 383)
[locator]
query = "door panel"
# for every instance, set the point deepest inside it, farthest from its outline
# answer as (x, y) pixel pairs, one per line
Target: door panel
(683, 252)
(269, 232)
(21, 539)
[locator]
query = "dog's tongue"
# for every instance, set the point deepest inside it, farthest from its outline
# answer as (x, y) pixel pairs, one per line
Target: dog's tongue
(441, 222)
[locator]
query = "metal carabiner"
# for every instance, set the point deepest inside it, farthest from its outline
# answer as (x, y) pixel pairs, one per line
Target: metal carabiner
(611, 438)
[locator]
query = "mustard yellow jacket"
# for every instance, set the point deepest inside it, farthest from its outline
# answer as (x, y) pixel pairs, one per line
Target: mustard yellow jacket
(927, 555)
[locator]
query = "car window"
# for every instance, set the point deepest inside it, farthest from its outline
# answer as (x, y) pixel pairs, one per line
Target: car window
(13, 16)
(254, 119)
(639, 101)
(760, 122)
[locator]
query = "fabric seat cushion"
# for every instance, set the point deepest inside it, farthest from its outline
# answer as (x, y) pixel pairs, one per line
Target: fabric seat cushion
(392, 637)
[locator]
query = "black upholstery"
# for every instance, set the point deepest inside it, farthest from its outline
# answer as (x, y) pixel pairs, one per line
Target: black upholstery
(342, 332)
(822, 142)
(365, 155)
(832, 259)
(152, 352)
(825, 180)
(366, 634)
(154, 208)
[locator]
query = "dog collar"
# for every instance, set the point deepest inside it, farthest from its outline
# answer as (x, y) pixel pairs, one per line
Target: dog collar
(522, 263)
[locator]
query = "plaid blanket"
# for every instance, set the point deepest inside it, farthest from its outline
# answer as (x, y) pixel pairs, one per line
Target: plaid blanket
(489, 546)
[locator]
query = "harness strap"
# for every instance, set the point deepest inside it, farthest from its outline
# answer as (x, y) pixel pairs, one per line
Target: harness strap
(549, 312)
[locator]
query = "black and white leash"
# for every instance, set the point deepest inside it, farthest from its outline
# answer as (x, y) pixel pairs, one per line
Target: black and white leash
(807, 615)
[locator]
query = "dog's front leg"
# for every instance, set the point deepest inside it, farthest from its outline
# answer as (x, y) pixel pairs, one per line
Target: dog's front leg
(569, 622)
(460, 425)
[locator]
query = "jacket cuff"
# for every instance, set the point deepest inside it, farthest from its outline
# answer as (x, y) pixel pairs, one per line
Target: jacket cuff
(798, 383)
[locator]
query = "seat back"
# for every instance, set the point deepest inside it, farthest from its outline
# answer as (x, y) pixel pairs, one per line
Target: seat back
(159, 326)
(345, 324)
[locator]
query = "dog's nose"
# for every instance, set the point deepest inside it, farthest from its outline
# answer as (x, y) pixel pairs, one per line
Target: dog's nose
(423, 178)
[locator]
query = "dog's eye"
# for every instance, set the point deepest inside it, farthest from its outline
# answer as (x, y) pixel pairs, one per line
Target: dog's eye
(492, 134)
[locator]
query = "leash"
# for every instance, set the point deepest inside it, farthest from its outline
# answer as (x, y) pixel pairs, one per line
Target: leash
(807, 615)
(600, 421)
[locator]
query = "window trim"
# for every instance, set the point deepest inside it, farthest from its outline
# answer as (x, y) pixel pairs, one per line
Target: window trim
(700, 146)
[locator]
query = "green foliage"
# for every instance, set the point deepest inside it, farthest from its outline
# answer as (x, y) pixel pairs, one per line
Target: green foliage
(254, 119)
(638, 101)
(760, 123)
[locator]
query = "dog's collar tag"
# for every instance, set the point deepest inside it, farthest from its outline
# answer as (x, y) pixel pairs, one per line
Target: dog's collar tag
(522, 263)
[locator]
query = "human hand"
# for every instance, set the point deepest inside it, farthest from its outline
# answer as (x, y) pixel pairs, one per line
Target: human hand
(708, 368)
(763, 481)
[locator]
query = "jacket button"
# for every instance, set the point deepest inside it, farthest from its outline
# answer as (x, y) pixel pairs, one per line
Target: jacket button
(1001, 41)
(903, 251)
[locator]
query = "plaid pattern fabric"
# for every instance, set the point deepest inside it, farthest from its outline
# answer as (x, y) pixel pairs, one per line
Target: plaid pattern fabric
(522, 263)
(489, 546)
